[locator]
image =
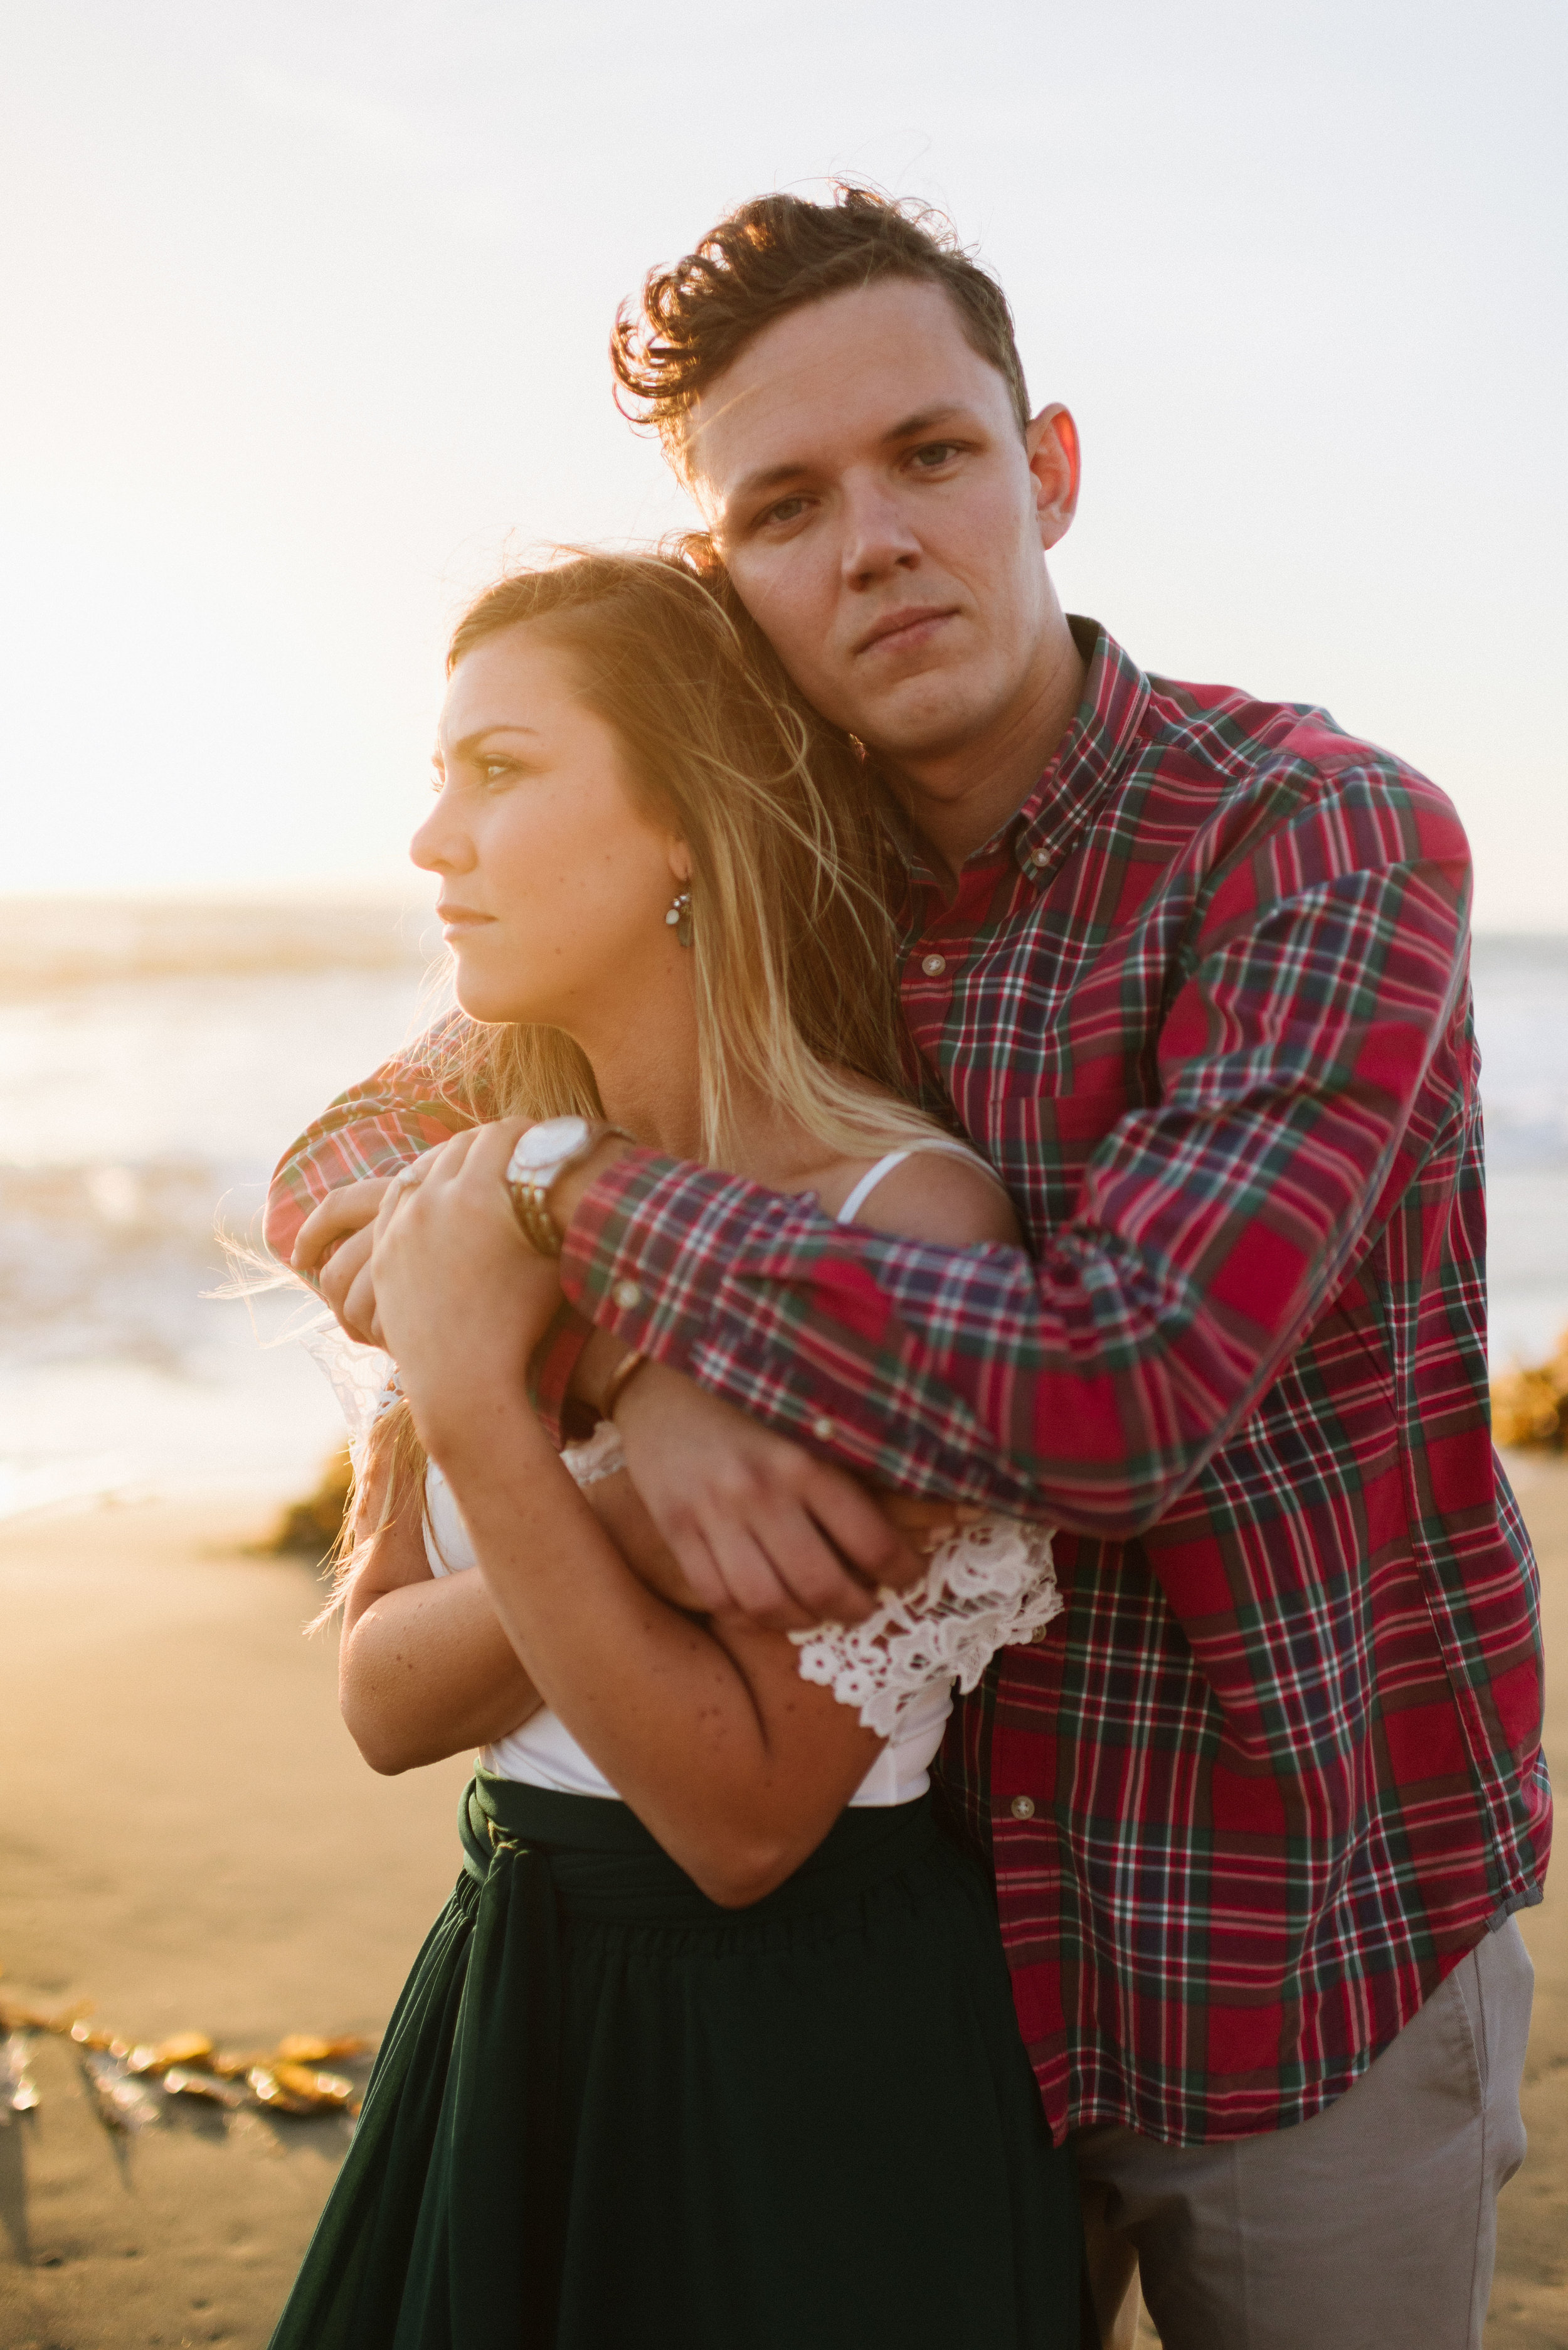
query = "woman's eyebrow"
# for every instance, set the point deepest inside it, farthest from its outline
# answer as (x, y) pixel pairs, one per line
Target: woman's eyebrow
(469, 743)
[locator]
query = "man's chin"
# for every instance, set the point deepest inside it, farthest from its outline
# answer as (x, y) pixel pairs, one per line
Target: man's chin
(930, 717)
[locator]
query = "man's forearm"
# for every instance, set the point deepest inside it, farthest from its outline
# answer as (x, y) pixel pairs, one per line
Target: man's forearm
(1090, 1387)
(407, 1107)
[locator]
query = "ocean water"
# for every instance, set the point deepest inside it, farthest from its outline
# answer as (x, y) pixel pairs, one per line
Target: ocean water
(155, 1060)
(153, 1063)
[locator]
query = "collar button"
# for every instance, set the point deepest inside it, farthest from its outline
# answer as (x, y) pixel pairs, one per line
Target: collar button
(933, 965)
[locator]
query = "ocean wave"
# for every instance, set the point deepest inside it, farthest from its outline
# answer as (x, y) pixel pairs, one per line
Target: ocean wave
(114, 1261)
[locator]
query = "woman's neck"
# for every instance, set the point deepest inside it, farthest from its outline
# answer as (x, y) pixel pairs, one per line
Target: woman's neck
(648, 1073)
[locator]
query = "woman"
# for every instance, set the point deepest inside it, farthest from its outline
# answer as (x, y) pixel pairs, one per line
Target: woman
(714, 2045)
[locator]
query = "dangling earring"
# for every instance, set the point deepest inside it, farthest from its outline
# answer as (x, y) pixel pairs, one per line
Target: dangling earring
(679, 919)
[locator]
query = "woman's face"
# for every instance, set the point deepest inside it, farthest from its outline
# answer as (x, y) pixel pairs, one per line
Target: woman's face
(554, 883)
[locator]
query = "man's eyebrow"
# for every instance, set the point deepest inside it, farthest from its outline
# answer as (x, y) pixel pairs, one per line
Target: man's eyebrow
(926, 419)
(772, 477)
(909, 428)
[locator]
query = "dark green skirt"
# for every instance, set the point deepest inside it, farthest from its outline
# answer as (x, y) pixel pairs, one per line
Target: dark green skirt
(608, 2114)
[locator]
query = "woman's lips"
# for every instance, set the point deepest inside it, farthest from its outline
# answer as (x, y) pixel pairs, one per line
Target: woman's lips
(455, 919)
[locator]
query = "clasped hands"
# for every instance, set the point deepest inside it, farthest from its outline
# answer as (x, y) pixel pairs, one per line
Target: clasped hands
(436, 1270)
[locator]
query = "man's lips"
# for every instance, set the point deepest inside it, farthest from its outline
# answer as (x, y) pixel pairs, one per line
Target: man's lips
(913, 625)
(459, 918)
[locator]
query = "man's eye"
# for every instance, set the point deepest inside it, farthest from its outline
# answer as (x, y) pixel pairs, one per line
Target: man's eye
(786, 510)
(932, 453)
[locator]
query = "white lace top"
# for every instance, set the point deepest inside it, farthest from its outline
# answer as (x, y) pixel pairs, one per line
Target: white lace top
(986, 1586)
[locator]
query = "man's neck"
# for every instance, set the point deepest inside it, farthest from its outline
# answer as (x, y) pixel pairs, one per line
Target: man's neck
(958, 799)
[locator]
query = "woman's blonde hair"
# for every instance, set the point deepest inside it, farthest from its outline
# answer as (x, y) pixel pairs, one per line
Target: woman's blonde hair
(794, 950)
(793, 873)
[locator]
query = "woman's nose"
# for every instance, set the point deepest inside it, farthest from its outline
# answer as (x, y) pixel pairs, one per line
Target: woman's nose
(441, 845)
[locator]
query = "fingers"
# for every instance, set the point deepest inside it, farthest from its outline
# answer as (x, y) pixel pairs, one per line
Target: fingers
(865, 1537)
(752, 1578)
(706, 1589)
(476, 1158)
(914, 1512)
(358, 1312)
(492, 1146)
(427, 1172)
(347, 1210)
(340, 1278)
(820, 1579)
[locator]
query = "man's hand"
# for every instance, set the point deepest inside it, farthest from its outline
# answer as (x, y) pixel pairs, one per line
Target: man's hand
(333, 1253)
(761, 1528)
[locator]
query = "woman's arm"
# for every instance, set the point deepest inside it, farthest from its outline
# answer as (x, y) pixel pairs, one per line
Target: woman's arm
(425, 1668)
(737, 1766)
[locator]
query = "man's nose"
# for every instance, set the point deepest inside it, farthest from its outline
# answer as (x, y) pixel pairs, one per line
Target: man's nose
(878, 537)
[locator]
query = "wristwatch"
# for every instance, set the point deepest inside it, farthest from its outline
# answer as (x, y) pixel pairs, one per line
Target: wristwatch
(541, 1157)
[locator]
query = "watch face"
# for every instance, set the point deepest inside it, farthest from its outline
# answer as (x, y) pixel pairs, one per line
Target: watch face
(545, 1146)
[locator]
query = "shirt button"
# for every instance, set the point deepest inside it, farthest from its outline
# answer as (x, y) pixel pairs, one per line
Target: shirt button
(627, 1295)
(1023, 1807)
(934, 965)
(823, 1429)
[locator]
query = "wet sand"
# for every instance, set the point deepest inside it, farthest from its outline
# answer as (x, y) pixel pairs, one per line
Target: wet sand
(188, 1837)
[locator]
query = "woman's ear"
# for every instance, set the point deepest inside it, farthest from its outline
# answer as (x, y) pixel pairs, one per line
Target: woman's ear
(680, 861)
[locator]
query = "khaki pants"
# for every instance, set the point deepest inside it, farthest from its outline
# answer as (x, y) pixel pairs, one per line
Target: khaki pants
(1371, 2227)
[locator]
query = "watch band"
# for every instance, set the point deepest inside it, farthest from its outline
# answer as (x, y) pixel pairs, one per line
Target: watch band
(530, 1191)
(538, 1224)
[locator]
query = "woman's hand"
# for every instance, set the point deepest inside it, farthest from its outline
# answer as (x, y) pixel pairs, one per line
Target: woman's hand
(333, 1253)
(461, 1300)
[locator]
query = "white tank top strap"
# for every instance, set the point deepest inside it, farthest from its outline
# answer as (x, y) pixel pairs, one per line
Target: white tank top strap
(874, 1175)
(868, 1182)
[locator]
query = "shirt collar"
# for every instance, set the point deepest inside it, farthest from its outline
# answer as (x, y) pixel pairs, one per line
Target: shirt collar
(1095, 750)
(1116, 695)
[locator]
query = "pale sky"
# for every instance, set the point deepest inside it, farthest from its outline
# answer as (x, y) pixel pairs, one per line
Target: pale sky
(305, 310)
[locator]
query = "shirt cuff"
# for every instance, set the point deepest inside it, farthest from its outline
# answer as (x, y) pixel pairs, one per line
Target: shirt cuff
(554, 1360)
(635, 1259)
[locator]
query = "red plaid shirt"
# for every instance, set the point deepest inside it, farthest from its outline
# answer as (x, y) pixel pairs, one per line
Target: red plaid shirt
(1204, 1004)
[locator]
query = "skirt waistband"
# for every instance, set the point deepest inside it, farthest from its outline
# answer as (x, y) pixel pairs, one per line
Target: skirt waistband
(602, 1861)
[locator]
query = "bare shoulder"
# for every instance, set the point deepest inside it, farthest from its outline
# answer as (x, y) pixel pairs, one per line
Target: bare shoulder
(935, 1195)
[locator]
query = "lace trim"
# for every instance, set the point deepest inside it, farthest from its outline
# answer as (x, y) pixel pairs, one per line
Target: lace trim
(989, 1586)
(363, 1378)
(598, 1457)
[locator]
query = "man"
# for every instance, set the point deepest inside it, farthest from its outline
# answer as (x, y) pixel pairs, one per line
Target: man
(1193, 971)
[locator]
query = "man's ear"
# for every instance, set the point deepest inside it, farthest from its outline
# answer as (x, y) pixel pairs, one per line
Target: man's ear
(1051, 446)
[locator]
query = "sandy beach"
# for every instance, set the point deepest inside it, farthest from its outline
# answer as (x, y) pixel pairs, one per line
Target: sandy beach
(190, 1840)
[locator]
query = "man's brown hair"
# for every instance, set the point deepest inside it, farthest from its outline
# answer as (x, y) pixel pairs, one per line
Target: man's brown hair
(770, 257)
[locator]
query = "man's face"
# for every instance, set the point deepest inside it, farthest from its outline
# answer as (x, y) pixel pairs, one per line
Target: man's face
(884, 520)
